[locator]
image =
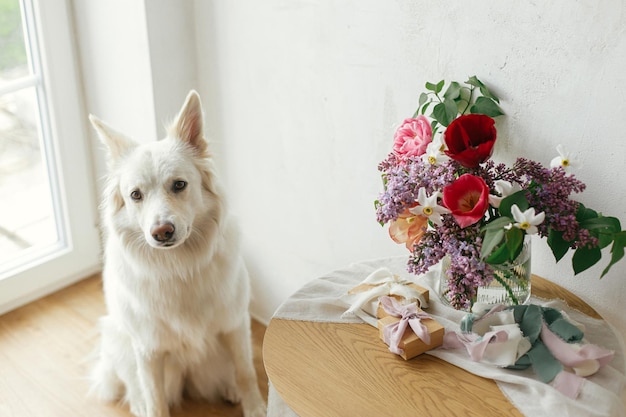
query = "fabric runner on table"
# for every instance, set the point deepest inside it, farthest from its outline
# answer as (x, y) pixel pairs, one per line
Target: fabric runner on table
(323, 300)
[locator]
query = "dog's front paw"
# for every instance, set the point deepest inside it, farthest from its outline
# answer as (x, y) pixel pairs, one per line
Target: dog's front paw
(107, 392)
(137, 408)
(230, 393)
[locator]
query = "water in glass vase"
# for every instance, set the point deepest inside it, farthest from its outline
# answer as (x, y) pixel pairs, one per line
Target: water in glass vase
(511, 284)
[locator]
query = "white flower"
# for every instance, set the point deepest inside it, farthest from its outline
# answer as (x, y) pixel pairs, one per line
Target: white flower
(505, 189)
(528, 220)
(563, 160)
(434, 152)
(428, 206)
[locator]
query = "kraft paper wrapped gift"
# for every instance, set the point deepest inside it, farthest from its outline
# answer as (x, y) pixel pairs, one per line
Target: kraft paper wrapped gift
(407, 330)
(383, 282)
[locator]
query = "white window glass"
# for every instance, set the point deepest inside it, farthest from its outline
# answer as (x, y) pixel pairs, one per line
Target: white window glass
(48, 234)
(27, 218)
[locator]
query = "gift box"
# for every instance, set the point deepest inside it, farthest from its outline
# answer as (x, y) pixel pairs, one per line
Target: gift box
(407, 330)
(412, 293)
(380, 311)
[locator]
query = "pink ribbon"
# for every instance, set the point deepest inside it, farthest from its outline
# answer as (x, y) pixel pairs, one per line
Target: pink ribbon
(569, 357)
(473, 343)
(566, 382)
(410, 316)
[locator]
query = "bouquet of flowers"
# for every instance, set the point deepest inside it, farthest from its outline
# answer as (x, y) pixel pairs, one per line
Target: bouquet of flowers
(444, 195)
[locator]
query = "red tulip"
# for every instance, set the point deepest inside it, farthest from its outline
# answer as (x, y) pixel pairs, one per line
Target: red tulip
(470, 139)
(467, 198)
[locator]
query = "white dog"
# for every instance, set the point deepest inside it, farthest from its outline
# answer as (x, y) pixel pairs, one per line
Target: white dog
(176, 289)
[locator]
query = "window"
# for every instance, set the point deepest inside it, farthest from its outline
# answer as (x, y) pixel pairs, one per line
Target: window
(48, 234)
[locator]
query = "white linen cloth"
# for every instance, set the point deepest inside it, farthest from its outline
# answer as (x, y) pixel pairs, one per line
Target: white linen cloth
(602, 394)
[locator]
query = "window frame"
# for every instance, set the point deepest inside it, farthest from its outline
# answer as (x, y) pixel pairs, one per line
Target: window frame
(77, 253)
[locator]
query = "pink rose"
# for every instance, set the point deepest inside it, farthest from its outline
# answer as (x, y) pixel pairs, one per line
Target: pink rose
(467, 198)
(412, 138)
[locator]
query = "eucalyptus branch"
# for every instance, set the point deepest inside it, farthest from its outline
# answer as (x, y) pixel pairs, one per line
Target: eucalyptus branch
(469, 100)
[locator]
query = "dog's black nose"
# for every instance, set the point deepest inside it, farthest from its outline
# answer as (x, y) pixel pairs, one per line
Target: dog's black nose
(162, 232)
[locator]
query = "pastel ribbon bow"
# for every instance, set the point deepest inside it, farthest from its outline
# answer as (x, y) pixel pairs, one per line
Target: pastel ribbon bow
(386, 283)
(474, 344)
(409, 316)
(551, 345)
(585, 360)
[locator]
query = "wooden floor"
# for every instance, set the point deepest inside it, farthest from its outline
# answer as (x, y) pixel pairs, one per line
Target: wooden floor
(44, 359)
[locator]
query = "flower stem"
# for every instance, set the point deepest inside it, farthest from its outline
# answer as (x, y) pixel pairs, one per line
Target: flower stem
(506, 286)
(469, 100)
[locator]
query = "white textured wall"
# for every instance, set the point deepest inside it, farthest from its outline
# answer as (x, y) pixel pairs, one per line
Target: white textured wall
(304, 97)
(138, 62)
(115, 62)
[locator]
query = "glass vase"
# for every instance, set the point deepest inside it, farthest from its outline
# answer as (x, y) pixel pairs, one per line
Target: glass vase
(511, 283)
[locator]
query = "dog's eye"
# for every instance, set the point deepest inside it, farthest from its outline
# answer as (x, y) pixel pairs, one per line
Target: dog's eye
(136, 195)
(179, 186)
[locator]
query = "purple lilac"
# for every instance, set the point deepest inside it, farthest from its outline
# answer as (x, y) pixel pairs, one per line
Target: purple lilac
(551, 194)
(466, 271)
(402, 182)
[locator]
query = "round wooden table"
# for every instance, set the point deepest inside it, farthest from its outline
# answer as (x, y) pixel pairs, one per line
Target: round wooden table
(325, 369)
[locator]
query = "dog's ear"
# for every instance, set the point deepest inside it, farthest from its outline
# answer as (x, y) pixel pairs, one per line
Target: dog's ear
(116, 143)
(188, 125)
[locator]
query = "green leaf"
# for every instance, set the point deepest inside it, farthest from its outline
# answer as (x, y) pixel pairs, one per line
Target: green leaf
(602, 228)
(474, 81)
(498, 256)
(440, 114)
(509, 250)
(436, 88)
(558, 245)
(487, 93)
(601, 223)
(384, 180)
(514, 242)
(451, 108)
(492, 238)
(585, 258)
(487, 107)
(584, 213)
(440, 86)
(465, 94)
(518, 198)
(604, 240)
(423, 98)
(498, 223)
(617, 251)
(425, 107)
(453, 92)
(483, 88)
(445, 112)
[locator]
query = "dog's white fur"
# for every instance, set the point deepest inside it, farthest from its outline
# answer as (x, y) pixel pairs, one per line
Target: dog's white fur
(176, 290)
